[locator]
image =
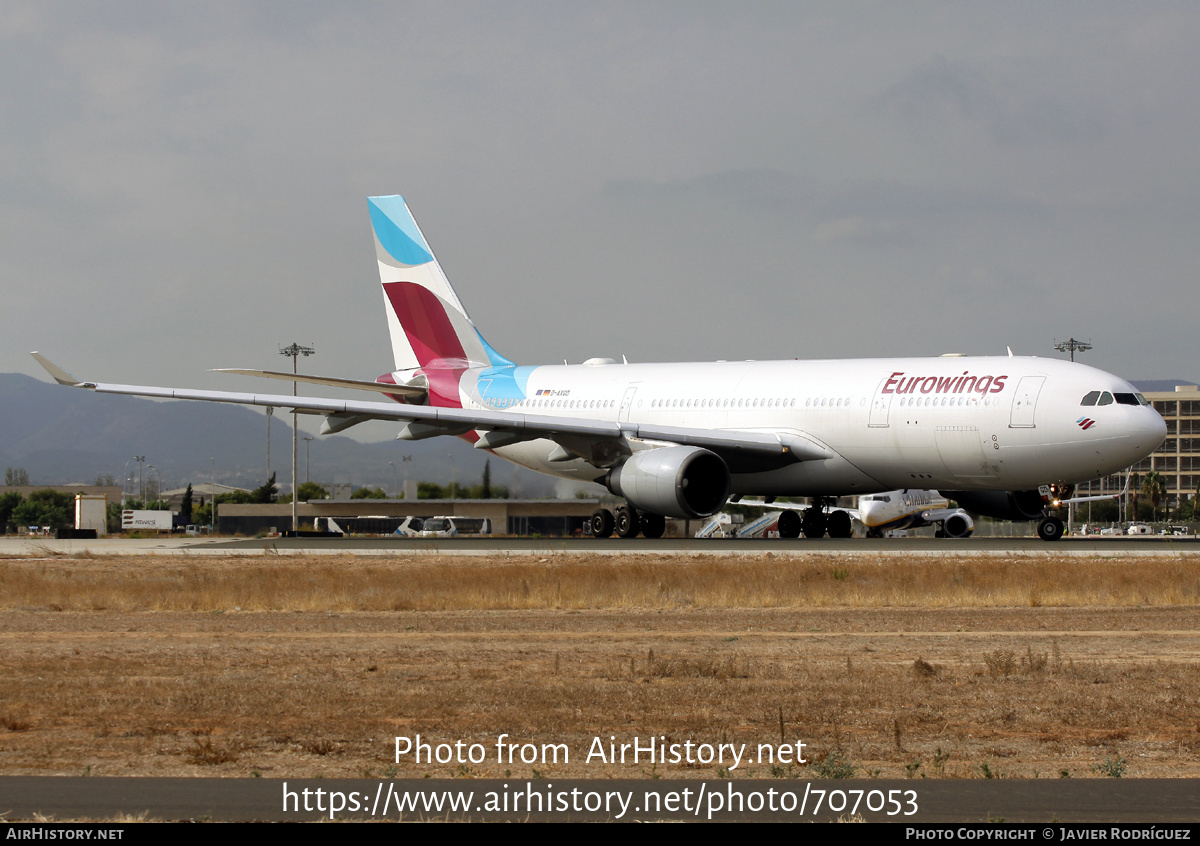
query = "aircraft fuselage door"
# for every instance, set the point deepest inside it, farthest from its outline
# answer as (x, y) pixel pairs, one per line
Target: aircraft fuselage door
(1025, 402)
(881, 406)
(626, 404)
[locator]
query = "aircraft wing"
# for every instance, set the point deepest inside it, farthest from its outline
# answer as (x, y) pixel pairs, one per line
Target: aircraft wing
(600, 442)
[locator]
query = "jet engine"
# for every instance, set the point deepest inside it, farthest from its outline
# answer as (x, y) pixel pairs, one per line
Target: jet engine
(678, 481)
(958, 526)
(1002, 505)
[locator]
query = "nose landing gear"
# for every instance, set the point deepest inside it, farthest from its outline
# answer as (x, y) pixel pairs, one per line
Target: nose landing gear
(1050, 528)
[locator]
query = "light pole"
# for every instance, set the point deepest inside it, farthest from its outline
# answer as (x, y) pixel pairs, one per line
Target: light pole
(270, 414)
(307, 457)
(294, 351)
(126, 481)
(141, 460)
(155, 469)
(1072, 346)
(212, 501)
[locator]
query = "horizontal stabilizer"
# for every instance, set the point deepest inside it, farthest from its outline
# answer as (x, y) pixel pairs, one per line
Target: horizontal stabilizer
(331, 381)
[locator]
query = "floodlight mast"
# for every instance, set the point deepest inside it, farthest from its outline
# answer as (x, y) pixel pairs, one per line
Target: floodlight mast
(294, 351)
(1072, 346)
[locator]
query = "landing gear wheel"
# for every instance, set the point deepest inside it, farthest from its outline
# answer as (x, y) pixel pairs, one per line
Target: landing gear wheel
(840, 525)
(1050, 529)
(789, 524)
(602, 523)
(653, 525)
(814, 523)
(627, 524)
(874, 533)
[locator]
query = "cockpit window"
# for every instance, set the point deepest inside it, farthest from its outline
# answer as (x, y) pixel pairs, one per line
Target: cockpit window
(1142, 400)
(1105, 399)
(1126, 399)
(1091, 398)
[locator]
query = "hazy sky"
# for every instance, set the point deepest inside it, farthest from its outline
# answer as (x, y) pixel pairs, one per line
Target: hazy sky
(182, 185)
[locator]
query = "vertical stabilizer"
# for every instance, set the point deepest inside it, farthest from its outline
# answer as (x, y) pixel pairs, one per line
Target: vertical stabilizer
(426, 320)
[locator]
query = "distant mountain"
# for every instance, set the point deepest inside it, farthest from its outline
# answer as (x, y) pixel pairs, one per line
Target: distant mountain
(60, 435)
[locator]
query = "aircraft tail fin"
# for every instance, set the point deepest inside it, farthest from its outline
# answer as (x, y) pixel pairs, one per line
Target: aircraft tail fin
(426, 320)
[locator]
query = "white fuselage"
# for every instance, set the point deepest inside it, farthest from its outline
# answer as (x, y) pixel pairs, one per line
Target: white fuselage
(951, 423)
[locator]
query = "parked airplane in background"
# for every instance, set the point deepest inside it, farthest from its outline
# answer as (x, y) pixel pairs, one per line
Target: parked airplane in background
(677, 440)
(883, 512)
(912, 509)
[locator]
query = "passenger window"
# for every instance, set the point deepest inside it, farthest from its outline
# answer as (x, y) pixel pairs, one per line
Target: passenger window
(1105, 399)
(1091, 398)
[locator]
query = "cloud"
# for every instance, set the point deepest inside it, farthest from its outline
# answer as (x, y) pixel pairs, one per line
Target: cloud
(939, 93)
(937, 89)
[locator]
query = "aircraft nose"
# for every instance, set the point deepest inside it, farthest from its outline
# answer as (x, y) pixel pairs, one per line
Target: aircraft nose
(1148, 431)
(1156, 427)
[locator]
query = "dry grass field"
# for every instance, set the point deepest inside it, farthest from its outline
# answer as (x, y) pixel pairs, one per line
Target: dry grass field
(294, 666)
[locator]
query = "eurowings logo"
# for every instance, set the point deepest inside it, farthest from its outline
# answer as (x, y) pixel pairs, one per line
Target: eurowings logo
(1085, 423)
(900, 383)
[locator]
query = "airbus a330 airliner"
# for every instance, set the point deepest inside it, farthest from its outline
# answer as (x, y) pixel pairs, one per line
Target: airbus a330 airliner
(1013, 435)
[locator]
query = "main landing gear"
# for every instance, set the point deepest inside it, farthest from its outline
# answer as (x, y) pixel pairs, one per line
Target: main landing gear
(816, 521)
(627, 523)
(813, 522)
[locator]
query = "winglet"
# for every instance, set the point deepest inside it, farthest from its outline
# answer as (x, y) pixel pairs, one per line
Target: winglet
(61, 376)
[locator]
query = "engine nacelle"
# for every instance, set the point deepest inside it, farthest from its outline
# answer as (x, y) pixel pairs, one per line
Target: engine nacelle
(1002, 505)
(958, 526)
(679, 481)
